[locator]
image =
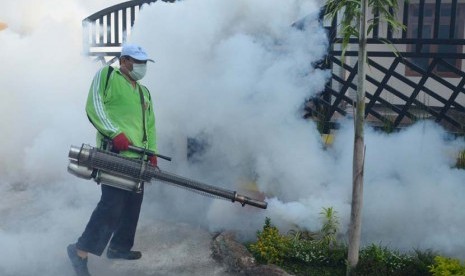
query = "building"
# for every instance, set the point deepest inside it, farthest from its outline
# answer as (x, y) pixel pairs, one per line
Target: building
(424, 79)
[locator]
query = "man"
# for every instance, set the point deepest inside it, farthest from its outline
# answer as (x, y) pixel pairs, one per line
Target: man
(122, 112)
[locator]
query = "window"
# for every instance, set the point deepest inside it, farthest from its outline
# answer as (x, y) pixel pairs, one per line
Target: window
(428, 33)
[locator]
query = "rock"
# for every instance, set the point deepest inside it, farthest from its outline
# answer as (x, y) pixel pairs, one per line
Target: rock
(232, 253)
(238, 259)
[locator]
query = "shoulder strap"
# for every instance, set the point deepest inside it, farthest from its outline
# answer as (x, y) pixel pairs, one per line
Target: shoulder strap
(142, 103)
(110, 70)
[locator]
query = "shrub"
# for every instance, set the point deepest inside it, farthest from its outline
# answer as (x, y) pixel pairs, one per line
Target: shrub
(316, 253)
(330, 226)
(302, 252)
(271, 247)
(419, 264)
(379, 260)
(444, 266)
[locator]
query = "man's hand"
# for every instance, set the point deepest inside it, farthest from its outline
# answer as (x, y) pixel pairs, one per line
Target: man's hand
(121, 142)
(153, 160)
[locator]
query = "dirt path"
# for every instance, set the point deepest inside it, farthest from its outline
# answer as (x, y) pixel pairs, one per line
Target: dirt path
(168, 249)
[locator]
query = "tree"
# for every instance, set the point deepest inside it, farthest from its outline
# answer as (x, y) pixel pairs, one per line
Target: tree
(354, 23)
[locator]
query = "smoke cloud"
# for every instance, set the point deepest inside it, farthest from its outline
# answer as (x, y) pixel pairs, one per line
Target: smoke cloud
(230, 79)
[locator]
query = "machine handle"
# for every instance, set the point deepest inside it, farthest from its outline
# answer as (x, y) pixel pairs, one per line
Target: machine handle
(139, 150)
(147, 152)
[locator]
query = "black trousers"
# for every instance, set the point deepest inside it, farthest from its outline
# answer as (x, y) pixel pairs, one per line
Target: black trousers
(116, 214)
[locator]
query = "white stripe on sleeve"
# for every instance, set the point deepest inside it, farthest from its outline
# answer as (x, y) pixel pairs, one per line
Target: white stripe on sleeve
(98, 104)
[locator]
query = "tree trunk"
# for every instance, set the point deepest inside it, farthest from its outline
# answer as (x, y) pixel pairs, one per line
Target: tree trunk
(359, 148)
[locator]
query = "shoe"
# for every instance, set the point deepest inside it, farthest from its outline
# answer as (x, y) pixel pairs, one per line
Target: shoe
(127, 255)
(79, 264)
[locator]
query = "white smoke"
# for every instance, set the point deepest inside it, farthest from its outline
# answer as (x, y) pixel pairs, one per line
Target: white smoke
(234, 75)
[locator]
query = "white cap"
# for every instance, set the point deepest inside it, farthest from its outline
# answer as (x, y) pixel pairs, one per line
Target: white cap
(135, 51)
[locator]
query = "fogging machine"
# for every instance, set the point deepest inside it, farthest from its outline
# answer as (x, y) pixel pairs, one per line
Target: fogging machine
(129, 174)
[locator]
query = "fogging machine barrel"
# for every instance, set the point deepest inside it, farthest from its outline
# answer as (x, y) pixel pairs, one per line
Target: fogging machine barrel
(112, 169)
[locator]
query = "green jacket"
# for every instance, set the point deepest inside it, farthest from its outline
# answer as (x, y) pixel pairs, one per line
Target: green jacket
(118, 109)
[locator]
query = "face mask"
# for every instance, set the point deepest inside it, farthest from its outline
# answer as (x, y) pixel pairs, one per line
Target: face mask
(138, 71)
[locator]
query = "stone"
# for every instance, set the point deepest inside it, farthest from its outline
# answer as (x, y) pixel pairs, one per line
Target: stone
(237, 259)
